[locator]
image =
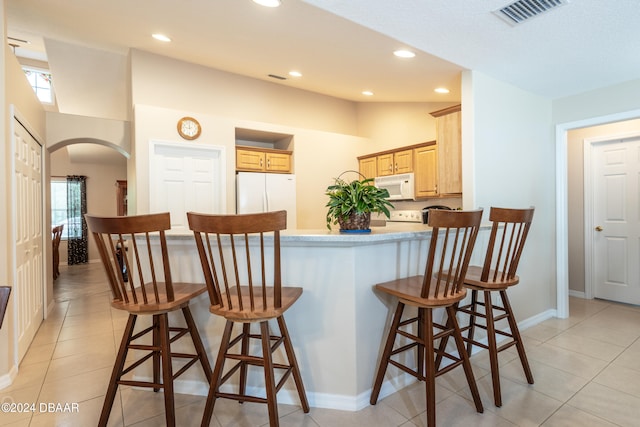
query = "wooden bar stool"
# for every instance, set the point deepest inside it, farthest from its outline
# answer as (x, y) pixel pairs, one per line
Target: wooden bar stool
(146, 294)
(508, 235)
(240, 257)
(452, 240)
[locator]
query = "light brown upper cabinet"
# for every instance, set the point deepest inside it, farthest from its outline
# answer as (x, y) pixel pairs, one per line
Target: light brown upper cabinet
(254, 159)
(426, 171)
(395, 162)
(368, 166)
(449, 140)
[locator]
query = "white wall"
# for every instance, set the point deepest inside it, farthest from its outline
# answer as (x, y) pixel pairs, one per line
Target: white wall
(507, 131)
(89, 82)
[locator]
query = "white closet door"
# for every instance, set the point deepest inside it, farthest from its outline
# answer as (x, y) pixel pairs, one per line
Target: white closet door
(186, 178)
(29, 277)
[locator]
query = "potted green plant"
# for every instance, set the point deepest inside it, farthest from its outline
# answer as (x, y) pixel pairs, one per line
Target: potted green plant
(352, 202)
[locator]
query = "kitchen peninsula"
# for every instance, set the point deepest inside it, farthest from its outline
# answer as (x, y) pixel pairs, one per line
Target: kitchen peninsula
(337, 325)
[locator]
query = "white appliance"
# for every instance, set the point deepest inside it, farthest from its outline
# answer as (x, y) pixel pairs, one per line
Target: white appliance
(266, 192)
(400, 187)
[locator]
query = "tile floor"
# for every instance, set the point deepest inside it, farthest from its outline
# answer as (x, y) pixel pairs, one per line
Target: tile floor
(587, 372)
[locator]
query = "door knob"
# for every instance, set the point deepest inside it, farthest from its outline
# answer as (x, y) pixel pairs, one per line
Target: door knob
(598, 228)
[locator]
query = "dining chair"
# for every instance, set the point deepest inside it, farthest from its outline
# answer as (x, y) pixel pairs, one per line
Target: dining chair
(149, 291)
(240, 257)
(452, 240)
(55, 243)
(509, 231)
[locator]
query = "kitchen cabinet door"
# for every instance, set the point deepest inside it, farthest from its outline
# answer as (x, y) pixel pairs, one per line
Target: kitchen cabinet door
(368, 167)
(249, 160)
(449, 140)
(277, 162)
(385, 164)
(403, 161)
(426, 171)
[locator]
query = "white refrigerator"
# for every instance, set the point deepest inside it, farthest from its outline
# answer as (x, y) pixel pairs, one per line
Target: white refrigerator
(266, 192)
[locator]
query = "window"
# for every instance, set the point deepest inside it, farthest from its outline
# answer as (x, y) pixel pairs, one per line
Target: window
(59, 207)
(40, 81)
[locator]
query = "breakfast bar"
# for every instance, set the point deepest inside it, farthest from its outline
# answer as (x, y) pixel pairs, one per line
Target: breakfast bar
(337, 326)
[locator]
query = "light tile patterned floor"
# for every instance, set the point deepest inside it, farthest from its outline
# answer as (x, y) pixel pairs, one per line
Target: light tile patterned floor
(587, 372)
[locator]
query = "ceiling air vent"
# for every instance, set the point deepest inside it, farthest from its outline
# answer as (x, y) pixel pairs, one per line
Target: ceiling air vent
(523, 10)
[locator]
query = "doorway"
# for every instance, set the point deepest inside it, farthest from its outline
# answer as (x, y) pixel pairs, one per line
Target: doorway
(612, 228)
(566, 201)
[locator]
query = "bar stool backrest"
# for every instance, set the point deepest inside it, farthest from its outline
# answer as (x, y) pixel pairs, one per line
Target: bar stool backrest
(452, 240)
(135, 275)
(240, 276)
(508, 234)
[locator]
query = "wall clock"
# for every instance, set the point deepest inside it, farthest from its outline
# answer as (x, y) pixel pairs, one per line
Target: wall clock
(189, 128)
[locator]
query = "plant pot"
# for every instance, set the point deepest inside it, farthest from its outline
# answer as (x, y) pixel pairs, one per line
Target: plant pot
(356, 221)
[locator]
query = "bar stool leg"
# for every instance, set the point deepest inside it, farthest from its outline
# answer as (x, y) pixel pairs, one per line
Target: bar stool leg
(244, 350)
(197, 343)
(116, 373)
(291, 356)
(167, 370)
(515, 332)
(420, 347)
(386, 354)
(269, 376)
(493, 348)
(472, 320)
(157, 354)
(430, 374)
(466, 363)
(217, 374)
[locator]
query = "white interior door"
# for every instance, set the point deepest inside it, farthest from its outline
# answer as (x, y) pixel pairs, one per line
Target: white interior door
(615, 230)
(29, 271)
(186, 178)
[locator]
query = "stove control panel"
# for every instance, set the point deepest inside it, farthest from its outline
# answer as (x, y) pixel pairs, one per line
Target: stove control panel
(405, 216)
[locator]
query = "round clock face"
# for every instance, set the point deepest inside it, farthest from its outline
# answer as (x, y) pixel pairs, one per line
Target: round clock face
(189, 128)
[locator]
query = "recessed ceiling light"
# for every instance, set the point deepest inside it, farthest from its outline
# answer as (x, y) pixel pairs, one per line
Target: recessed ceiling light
(403, 53)
(367, 93)
(161, 37)
(441, 90)
(268, 3)
(295, 73)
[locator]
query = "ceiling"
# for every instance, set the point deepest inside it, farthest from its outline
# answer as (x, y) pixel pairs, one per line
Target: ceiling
(345, 47)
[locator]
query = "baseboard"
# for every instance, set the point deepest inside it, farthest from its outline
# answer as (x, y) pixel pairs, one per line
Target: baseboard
(7, 379)
(577, 294)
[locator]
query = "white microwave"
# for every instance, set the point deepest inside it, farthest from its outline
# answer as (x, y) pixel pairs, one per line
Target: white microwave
(400, 187)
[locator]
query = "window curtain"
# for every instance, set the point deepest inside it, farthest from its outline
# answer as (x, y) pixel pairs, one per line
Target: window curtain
(76, 208)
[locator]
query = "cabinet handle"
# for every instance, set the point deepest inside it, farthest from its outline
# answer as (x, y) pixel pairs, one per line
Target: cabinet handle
(599, 228)
(260, 162)
(268, 163)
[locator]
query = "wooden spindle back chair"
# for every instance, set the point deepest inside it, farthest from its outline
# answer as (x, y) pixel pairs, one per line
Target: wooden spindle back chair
(509, 231)
(56, 236)
(5, 291)
(452, 240)
(141, 284)
(240, 257)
